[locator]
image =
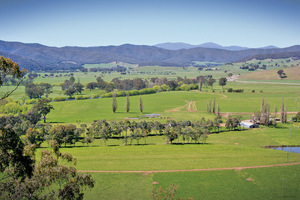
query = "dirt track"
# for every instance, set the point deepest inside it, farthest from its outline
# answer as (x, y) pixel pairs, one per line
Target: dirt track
(267, 82)
(191, 170)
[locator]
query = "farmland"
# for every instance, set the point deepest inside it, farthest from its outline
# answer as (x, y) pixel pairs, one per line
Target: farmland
(225, 149)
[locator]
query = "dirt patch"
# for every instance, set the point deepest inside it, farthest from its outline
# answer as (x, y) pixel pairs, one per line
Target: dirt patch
(191, 170)
(192, 107)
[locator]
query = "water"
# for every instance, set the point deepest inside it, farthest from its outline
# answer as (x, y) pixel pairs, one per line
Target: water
(290, 149)
(152, 115)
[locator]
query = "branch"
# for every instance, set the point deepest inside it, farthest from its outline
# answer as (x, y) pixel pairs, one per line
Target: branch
(7, 94)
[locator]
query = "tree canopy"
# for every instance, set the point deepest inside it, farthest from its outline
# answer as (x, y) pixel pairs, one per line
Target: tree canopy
(9, 68)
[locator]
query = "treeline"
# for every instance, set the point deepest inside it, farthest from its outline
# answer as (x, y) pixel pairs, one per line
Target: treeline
(33, 132)
(159, 84)
(105, 70)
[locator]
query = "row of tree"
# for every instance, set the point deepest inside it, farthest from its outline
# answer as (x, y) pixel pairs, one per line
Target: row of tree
(265, 117)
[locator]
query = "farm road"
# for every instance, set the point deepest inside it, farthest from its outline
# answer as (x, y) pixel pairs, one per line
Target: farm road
(267, 82)
(192, 170)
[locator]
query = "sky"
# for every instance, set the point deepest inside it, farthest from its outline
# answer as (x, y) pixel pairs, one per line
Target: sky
(254, 23)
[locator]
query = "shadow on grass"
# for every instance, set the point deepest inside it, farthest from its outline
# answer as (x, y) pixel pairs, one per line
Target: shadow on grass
(190, 143)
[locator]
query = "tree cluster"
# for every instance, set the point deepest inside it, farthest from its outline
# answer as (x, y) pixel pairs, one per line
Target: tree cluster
(34, 91)
(70, 87)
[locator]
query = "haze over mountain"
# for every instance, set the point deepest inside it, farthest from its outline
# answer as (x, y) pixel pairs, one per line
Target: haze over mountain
(181, 45)
(40, 57)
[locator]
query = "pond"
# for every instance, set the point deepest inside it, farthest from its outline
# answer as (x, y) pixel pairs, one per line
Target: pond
(152, 115)
(290, 149)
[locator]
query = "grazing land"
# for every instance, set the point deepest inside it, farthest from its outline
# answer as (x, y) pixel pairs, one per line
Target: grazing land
(223, 149)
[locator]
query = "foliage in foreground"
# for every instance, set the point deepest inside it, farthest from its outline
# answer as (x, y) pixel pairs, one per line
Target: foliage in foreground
(48, 179)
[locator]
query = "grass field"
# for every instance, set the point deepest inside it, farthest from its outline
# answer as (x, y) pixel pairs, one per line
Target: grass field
(226, 149)
(266, 183)
(292, 73)
(174, 105)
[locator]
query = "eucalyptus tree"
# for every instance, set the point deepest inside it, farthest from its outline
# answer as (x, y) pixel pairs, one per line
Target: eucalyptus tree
(43, 107)
(158, 127)
(222, 82)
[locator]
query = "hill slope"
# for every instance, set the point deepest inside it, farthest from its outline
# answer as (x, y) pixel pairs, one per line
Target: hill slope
(292, 73)
(37, 56)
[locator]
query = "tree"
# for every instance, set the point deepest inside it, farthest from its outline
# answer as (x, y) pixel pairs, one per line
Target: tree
(222, 82)
(43, 107)
(9, 68)
(13, 157)
(297, 117)
(114, 102)
(282, 113)
(281, 73)
(274, 118)
(51, 179)
(109, 87)
(70, 91)
(92, 85)
(141, 105)
(101, 84)
(47, 88)
(34, 136)
(78, 87)
(127, 105)
(63, 134)
(34, 91)
(214, 106)
(210, 82)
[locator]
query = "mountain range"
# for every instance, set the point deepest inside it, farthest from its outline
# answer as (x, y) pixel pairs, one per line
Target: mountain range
(40, 57)
(181, 45)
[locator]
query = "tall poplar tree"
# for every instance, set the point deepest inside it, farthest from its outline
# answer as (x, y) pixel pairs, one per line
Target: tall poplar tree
(127, 105)
(214, 106)
(141, 105)
(282, 113)
(114, 103)
(274, 119)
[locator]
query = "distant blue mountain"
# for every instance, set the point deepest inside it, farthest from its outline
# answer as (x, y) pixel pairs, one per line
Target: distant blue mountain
(181, 45)
(40, 57)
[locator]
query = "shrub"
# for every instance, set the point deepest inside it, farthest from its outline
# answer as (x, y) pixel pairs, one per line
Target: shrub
(253, 91)
(82, 97)
(59, 98)
(239, 90)
(30, 101)
(95, 96)
(229, 89)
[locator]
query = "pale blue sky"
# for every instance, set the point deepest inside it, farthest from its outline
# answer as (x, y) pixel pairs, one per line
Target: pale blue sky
(253, 23)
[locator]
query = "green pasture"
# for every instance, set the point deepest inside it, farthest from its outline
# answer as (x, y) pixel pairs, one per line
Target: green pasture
(110, 65)
(174, 105)
(266, 183)
(226, 149)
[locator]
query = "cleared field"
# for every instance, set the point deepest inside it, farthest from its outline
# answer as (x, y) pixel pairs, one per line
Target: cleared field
(292, 73)
(265, 183)
(174, 105)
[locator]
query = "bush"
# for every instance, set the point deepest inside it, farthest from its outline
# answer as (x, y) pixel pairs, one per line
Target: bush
(239, 90)
(95, 96)
(82, 97)
(253, 91)
(30, 101)
(59, 98)
(229, 89)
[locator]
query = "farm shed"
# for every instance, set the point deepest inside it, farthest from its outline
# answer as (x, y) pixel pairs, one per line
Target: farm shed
(248, 125)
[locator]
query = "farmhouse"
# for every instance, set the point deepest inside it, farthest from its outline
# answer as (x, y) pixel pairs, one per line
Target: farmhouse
(248, 124)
